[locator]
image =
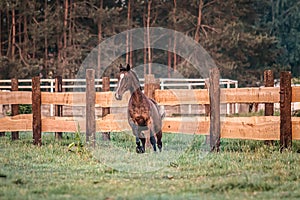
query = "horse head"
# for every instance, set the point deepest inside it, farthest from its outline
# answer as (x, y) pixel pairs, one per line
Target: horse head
(127, 81)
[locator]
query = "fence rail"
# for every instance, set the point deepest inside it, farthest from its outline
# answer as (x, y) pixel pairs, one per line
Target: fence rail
(163, 97)
(252, 128)
(74, 84)
(256, 128)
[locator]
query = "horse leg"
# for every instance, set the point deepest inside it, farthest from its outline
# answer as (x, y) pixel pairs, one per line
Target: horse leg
(143, 139)
(152, 140)
(139, 148)
(159, 142)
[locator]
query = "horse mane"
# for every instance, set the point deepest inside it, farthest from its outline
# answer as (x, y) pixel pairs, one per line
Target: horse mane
(136, 78)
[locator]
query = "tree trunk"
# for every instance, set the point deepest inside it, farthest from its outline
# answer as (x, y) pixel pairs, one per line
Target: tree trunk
(99, 41)
(0, 33)
(145, 41)
(19, 31)
(34, 36)
(13, 47)
(148, 37)
(8, 51)
(65, 26)
(174, 46)
(169, 58)
(130, 36)
(128, 28)
(197, 33)
(46, 39)
(25, 37)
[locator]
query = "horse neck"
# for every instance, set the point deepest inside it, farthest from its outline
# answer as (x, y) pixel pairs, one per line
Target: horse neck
(137, 95)
(136, 91)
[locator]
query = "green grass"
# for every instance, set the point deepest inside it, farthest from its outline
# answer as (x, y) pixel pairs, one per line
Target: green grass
(242, 170)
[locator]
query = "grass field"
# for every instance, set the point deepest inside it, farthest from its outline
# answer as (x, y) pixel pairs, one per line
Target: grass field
(242, 170)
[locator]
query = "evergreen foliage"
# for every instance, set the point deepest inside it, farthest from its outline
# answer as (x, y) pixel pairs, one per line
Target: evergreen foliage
(243, 37)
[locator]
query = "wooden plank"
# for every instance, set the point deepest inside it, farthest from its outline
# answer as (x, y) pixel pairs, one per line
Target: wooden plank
(228, 95)
(58, 108)
(269, 107)
(63, 124)
(296, 128)
(296, 94)
(214, 99)
(163, 97)
(257, 128)
(16, 123)
(181, 96)
(186, 125)
(90, 107)
(105, 111)
(14, 107)
(18, 97)
(107, 99)
(112, 123)
(36, 111)
(252, 128)
(151, 84)
(64, 98)
(285, 110)
(249, 95)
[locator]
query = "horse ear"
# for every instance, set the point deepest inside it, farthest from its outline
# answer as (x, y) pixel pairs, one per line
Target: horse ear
(121, 68)
(128, 67)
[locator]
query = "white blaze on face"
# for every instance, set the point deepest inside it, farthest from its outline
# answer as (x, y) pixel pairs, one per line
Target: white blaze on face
(121, 78)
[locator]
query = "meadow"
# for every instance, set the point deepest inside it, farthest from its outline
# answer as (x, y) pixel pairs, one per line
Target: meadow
(243, 169)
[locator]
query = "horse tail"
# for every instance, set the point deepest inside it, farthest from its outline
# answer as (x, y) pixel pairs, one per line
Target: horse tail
(160, 109)
(162, 112)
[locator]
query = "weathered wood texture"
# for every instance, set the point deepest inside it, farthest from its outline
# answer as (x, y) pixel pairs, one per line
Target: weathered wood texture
(14, 107)
(19, 97)
(105, 110)
(151, 84)
(36, 111)
(285, 110)
(269, 107)
(228, 95)
(163, 97)
(252, 128)
(90, 107)
(214, 102)
(58, 108)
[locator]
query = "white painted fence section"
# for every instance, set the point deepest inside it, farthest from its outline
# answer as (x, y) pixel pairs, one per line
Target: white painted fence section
(79, 85)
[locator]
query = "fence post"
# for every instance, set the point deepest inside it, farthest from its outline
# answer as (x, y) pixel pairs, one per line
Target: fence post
(151, 84)
(36, 111)
(214, 99)
(285, 110)
(269, 107)
(105, 111)
(58, 108)
(207, 110)
(90, 107)
(14, 107)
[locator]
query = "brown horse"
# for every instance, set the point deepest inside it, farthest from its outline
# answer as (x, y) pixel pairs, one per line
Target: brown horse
(143, 112)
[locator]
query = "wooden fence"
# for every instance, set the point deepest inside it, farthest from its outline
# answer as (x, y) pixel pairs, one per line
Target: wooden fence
(284, 127)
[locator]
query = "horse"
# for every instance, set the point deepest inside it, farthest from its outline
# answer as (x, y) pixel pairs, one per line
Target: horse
(143, 112)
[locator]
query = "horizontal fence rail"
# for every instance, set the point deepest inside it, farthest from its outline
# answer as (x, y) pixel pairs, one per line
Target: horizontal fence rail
(252, 128)
(163, 97)
(76, 84)
(255, 128)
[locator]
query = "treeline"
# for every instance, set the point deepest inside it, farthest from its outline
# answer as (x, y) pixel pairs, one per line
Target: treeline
(52, 37)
